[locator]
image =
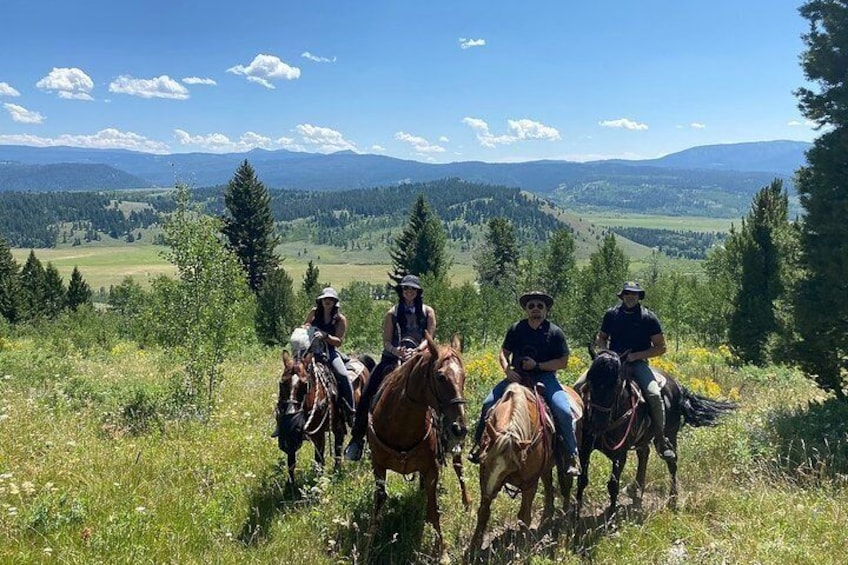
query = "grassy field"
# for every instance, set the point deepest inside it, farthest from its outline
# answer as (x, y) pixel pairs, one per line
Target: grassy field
(699, 223)
(90, 473)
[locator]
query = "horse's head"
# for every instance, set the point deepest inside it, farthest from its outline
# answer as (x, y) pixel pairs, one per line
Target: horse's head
(290, 414)
(602, 387)
(446, 384)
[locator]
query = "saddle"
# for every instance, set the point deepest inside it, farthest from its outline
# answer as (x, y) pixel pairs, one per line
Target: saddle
(633, 386)
(354, 367)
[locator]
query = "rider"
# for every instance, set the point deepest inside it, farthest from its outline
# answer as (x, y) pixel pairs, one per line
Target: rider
(535, 349)
(630, 327)
(403, 335)
(330, 325)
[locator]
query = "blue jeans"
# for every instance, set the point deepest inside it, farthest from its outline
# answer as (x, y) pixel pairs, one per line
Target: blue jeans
(641, 372)
(556, 398)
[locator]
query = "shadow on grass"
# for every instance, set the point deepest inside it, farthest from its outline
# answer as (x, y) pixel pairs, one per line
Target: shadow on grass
(811, 443)
(272, 495)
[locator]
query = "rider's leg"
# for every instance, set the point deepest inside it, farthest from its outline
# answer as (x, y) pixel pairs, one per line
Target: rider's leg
(643, 375)
(495, 395)
(557, 399)
(353, 452)
(342, 381)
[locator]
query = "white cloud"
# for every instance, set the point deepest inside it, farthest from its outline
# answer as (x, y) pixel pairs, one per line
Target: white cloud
(317, 58)
(443, 139)
(265, 68)
(104, 139)
(697, 125)
(807, 123)
(22, 115)
(70, 83)
(7, 90)
(623, 123)
(159, 87)
(378, 149)
(420, 144)
(469, 43)
(220, 143)
(199, 80)
(519, 130)
(328, 140)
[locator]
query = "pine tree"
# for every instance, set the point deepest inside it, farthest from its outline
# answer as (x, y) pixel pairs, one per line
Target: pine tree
(275, 312)
(421, 248)
(821, 308)
(249, 225)
(560, 275)
(9, 283)
(599, 284)
(310, 285)
(55, 294)
(33, 288)
(79, 293)
(763, 242)
(497, 260)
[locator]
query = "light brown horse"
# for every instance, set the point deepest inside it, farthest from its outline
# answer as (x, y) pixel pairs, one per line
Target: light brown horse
(308, 405)
(517, 449)
(417, 420)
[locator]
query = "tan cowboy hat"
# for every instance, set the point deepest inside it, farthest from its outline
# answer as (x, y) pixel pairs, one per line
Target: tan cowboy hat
(328, 292)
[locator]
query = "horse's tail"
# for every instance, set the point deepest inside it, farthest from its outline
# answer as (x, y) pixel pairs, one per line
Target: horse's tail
(702, 411)
(368, 361)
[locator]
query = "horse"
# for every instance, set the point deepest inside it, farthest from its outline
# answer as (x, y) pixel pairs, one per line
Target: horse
(518, 449)
(308, 405)
(618, 420)
(417, 419)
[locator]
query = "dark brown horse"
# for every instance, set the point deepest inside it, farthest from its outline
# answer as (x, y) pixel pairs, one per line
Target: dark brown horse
(618, 420)
(308, 405)
(418, 420)
(517, 449)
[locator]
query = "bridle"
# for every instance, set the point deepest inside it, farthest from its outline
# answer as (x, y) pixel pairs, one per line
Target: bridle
(431, 374)
(629, 415)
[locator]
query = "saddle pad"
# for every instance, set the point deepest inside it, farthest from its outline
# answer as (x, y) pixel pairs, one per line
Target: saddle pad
(354, 367)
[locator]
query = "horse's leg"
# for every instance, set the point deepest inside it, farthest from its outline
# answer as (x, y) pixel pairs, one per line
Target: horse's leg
(528, 493)
(291, 459)
(585, 454)
(339, 431)
(431, 480)
(613, 484)
(638, 487)
(457, 467)
(376, 514)
(318, 441)
(672, 469)
(483, 514)
(548, 485)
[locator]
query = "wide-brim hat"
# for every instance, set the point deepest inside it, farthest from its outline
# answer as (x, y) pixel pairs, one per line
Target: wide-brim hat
(410, 281)
(631, 286)
(540, 294)
(328, 292)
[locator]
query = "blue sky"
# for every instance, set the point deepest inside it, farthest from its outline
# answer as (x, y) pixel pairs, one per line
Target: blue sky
(435, 81)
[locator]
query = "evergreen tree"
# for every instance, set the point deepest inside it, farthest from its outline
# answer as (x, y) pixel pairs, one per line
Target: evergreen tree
(249, 225)
(421, 248)
(763, 242)
(55, 294)
(276, 315)
(310, 285)
(560, 274)
(9, 283)
(79, 293)
(497, 260)
(33, 288)
(821, 308)
(600, 282)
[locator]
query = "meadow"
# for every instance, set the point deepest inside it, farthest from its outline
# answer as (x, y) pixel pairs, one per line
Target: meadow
(95, 467)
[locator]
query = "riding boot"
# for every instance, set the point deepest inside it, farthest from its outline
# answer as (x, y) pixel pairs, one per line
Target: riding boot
(663, 446)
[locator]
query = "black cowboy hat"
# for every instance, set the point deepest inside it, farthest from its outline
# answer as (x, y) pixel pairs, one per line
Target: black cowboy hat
(540, 294)
(411, 281)
(631, 286)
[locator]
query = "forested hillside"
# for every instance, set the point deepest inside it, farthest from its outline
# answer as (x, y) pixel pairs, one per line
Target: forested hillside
(66, 176)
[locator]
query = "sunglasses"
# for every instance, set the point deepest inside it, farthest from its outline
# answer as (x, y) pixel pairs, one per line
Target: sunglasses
(535, 305)
(629, 293)
(408, 288)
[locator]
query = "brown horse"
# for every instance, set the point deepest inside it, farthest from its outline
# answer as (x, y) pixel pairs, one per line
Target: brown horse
(517, 449)
(618, 420)
(308, 405)
(417, 420)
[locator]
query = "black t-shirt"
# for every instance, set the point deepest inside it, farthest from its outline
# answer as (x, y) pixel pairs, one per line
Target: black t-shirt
(630, 329)
(542, 344)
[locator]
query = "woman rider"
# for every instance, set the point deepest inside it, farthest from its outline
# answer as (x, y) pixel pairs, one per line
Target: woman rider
(403, 335)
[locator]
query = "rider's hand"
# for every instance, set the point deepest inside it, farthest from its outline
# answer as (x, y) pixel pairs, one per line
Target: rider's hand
(528, 363)
(511, 375)
(406, 353)
(319, 335)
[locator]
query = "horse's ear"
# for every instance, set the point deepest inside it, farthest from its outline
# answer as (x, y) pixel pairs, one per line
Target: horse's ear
(287, 360)
(592, 352)
(456, 342)
(434, 349)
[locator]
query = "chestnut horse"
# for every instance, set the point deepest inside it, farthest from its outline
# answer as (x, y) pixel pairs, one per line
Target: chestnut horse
(308, 405)
(418, 418)
(618, 420)
(518, 449)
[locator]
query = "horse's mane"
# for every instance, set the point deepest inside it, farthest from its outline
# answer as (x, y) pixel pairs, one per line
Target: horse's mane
(418, 365)
(605, 368)
(518, 426)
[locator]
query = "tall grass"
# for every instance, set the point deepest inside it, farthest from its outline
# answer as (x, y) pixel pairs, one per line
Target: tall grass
(98, 465)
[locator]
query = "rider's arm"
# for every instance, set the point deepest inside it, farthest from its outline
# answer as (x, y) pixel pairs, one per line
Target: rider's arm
(309, 318)
(503, 358)
(602, 340)
(657, 348)
(388, 333)
(340, 331)
(431, 327)
(553, 365)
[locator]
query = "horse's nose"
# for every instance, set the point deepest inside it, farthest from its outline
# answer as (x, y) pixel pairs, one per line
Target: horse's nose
(458, 430)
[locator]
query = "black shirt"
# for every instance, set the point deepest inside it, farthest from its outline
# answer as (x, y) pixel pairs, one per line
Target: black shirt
(542, 344)
(630, 329)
